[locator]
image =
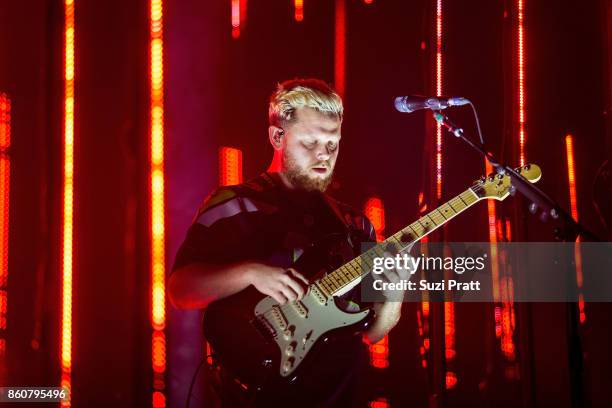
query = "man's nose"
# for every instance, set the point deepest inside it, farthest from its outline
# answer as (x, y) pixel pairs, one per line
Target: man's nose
(322, 153)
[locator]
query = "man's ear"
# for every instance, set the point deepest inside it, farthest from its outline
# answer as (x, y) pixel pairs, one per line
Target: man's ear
(275, 134)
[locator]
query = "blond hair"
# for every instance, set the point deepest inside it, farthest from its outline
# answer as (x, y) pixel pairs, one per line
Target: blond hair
(299, 93)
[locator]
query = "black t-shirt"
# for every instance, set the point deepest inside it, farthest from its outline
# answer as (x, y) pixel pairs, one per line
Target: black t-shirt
(262, 220)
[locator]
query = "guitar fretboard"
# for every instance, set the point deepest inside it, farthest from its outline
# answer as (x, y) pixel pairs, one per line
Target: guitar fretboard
(361, 265)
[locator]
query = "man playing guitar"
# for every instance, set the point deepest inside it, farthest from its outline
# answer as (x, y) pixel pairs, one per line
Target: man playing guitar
(250, 236)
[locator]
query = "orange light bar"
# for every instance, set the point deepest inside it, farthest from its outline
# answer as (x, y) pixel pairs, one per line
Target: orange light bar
(5, 183)
(235, 18)
(423, 313)
(68, 198)
(521, 80)
(374, 209)
(340, 48)
(230, 166)
(571, 176)
(158, 256)
(492, 218)
(299, 10)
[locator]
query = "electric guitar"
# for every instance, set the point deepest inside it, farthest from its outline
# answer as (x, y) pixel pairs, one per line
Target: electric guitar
(263, 343)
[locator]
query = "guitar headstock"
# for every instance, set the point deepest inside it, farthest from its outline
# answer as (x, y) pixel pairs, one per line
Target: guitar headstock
(498, 186)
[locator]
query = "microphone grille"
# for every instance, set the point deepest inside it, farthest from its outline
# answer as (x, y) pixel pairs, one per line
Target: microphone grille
(401, 105)
(458, 101)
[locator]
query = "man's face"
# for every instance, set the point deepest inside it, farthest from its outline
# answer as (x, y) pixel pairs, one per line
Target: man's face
(310, 149)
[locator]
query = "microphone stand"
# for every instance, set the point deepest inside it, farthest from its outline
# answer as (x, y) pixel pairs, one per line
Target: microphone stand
(569, 232)
(538, 198)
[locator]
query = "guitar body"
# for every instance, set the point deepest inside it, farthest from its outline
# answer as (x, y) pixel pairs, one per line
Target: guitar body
(274, 347)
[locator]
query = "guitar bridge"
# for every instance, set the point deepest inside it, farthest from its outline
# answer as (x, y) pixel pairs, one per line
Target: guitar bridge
(264, 327)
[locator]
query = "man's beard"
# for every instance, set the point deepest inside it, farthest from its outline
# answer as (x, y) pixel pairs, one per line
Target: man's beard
(300, 178)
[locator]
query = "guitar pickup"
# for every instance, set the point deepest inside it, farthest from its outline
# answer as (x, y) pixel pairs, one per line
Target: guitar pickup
(318, 294)
(300, 308)
(279, 317)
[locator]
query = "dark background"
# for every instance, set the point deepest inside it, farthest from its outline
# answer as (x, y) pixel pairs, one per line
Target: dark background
(216, 95)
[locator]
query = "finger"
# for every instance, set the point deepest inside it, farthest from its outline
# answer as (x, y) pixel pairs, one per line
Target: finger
(288, 292)
(295, 286)
(392, 276)
(279, 297)
(404, 273)
(299, 275)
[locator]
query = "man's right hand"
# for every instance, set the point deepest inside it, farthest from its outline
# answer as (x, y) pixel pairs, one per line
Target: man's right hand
(281, 284)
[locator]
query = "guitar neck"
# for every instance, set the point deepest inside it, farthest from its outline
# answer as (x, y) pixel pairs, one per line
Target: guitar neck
(353, 270)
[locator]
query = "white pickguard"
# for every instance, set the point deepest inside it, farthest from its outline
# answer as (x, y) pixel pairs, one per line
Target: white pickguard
(296, 326)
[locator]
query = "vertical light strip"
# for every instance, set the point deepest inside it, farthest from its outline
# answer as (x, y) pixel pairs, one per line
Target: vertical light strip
(340, 48)
(298, 6)
(235, 18)
(423, 312)
(68, 198)
(521, 80)
(503, 293)
(5, 183)
(439, 91)
(492, 222)
(230, 163)
(239, 8)
(374, 209)
(158, 261)
(449, 307)
(571, 176)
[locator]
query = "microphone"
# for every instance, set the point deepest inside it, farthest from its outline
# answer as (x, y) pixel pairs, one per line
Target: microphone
(413, 103)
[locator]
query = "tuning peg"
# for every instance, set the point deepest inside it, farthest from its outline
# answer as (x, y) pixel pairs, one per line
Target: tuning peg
(554, 213)
(512, 191)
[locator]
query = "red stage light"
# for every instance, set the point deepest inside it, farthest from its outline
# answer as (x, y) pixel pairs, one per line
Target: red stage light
(299, 10)
(68, 198)
(238, 16)
(571, 177)
(235, 18)
(230, 166)
(521, 80)
(379, 403)
(5, 183)
(451, 380)
(340, 48)
(158, 256)
(439, 91)
(374, 209)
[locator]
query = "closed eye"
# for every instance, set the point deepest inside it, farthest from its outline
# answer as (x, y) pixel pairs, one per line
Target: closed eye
(309, 144)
